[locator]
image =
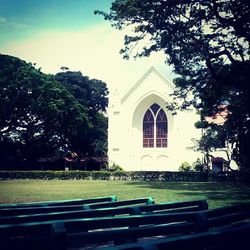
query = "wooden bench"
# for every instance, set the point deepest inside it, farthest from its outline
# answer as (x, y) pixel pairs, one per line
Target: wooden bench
(43, 230)
(137, 227)
(80, 231)
(151, 221)
(235, 237)
(94, 210)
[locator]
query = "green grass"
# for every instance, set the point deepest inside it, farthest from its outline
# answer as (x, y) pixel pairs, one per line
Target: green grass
(217, 194)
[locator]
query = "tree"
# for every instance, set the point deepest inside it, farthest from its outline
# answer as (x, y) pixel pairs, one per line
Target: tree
(215, 137)
(207, 42)
(92, 95)
(36, 112)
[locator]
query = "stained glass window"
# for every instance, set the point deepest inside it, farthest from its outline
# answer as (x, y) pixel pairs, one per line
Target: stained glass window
(155, 127)
(148, 130)
(161, 130)
(155, 107)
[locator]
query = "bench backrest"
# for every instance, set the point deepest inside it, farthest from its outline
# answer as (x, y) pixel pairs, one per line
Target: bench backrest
(58, 202)
(77, 232)
(85, 206)
(235, 237)
(203, 219)
(91, 211)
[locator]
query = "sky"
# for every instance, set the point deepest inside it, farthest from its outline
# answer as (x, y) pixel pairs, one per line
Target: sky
(56, 33)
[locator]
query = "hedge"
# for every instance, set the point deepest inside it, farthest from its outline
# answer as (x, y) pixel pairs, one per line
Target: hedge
(133, 175)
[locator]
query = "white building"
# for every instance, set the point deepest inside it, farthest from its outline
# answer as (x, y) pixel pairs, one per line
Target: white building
(143, 134)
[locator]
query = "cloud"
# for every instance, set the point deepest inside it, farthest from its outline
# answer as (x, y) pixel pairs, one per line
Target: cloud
(10, 23)
(93, 51)
(3, 20)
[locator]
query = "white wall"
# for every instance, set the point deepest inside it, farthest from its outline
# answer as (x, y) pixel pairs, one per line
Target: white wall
(125, 128)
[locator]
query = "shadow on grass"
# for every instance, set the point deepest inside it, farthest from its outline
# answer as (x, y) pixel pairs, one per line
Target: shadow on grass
(231, 193)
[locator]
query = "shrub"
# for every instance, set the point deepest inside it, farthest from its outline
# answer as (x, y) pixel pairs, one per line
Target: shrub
(100, 175)
(184, 176)
(198, 165)
(185, 167)
(115, 167)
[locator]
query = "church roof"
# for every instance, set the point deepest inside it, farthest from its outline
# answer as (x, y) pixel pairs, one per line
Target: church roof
(138, 83)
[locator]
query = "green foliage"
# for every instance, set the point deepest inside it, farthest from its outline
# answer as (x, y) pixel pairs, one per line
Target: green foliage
(185, 167)
(41, 116)
(100, 175)
(214, 137)
(187, 176)
(207, 42)
(100, 147)
(61, 175)
(115, 167)
(92, 95)
(35, 110)
(198, 165)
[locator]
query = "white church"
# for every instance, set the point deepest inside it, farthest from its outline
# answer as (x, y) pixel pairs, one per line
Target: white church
(143, 135)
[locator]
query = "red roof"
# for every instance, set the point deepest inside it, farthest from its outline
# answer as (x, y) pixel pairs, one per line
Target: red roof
(220, 117)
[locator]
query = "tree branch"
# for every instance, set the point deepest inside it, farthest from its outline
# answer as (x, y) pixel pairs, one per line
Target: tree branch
(211, 69)
(221, 53)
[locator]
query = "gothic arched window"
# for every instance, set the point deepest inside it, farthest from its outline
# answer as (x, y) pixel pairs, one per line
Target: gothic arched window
(148, 130)
(155, 127)
(161, 129)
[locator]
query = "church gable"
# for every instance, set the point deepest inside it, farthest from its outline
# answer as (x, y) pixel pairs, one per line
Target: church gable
(151, 80)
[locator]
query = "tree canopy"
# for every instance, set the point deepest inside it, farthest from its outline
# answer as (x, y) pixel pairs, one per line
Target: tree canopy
(207, 42)
(40, 114)
(92, 95)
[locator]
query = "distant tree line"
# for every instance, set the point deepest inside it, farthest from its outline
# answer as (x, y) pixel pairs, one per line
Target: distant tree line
(46, 116)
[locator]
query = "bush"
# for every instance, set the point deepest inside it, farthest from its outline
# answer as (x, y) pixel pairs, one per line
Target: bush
(198, 165)
(100, 175)
(115, 167)
(184, 176)
(185, 167)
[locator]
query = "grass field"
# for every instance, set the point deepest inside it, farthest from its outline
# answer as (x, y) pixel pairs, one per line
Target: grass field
(217, 194)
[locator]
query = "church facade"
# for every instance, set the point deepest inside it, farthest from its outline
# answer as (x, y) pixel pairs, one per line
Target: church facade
(143, 135)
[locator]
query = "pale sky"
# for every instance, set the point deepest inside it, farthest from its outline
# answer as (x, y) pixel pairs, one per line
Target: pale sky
(55, 33)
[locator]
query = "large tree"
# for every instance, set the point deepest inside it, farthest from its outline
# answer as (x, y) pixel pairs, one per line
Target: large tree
(207, 42)
(37, 113)
(92, 95)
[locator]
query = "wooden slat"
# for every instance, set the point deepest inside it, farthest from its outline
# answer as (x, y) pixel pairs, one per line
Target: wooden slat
(154, 208)
(226, 239)
(15, 211)
(59, 202)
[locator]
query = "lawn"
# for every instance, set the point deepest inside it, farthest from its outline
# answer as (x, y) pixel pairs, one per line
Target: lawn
(217, 194)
